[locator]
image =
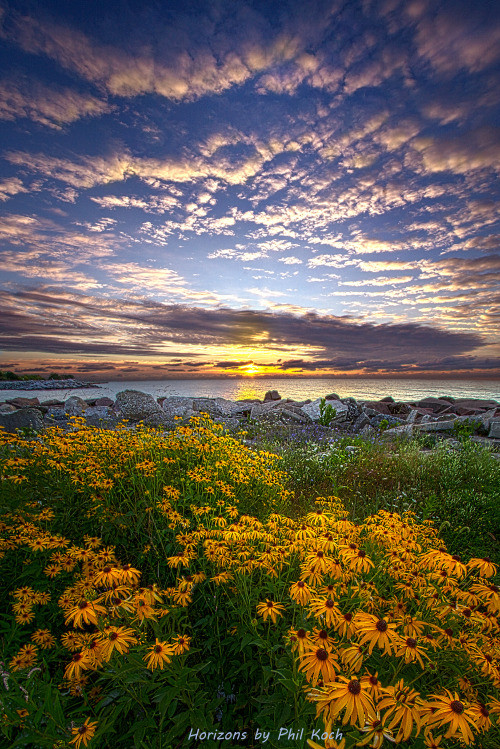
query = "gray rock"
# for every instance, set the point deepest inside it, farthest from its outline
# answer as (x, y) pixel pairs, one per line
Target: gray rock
(296, 415)
(136, 406)
(402, 430)
(216, 407)
(494, 432)
(412, 416)
(262, 409)
(367, 430)
(20, 402)
(332, 397)
(272, 395)
(75, 406)
(435, 426)
(177, 406)
(312, 409)
(7, 408)
(361, 422)
(104, 402)
(101, 416)
(21, 419)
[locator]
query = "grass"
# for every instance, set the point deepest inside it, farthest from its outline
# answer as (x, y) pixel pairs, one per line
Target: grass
(457, 488)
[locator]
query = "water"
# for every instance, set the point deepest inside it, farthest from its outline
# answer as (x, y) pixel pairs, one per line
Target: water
(289, 387)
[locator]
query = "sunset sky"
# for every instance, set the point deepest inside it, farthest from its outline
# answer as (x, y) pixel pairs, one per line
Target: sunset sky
(223, 187)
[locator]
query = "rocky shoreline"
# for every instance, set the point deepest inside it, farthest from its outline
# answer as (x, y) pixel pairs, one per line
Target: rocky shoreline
(44, 384)
(442, 417)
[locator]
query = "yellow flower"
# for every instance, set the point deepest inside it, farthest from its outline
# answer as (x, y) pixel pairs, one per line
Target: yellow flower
(83, 733)
(447, 708)
(86, 612)
(300, 592)
(343, 694)
(404, 708)
(159, 654)
(378, 632)
(324, 607)
(181, 644)
(270, 609)
(315, 661)
(117, 638)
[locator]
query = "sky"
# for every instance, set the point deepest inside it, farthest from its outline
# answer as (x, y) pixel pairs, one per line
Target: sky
(229, 188)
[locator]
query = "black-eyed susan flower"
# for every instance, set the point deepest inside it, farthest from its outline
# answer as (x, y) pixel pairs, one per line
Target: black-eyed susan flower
(80, 662)
(317, 661)
(344, 695)
(324, 607)
(299, 639)
(432, 742)
(484, 565)
(108, 576)
(159, 654)
(375, 631)
(447, 709)
(481, 715)
(375, 733)
(85, 612)
(43, 638)
(117, 638)
(84, 733)
(270, 609)
(411, 651)
(300, 592)
(181, 644)
(404, 710)
(371, 684)
(352, 658)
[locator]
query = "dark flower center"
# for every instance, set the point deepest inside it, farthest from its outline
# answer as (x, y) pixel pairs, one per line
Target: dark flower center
(373, 681)
(158, 649)
(411, 642)
(381, 625)
(113, 636)
(348, 617)
(354, 687)
(301, 633)
(83, 605)
(362, 554)
(300, 584)
(457, 707)
(329, 603)
(323, 635)
(321, 655)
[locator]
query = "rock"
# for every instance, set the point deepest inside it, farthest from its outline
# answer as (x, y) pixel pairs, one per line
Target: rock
(387, 399)
(136, 406)
(216, 407)
(367, 431)
(101, 416)
(21, 419)
(332, 397)
(176, 405)
(260, 409)
(104, 402)
(313, 411)
(435, 426)
(24, 402)
(402, 430)
(436, 404)
(476, 403)
(296, 415)
(361, 422)
(412, 416)
(494, 432)
(399, 409)
(7, 408)
(272, 395)
(75, 406)
(376, 406)
(53, 402)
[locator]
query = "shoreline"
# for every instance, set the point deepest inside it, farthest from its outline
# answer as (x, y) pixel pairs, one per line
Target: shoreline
(45, 385)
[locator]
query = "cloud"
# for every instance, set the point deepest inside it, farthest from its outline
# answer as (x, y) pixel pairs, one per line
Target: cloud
(53, 107)
(11, 186)
(461, 154)
(291, 260)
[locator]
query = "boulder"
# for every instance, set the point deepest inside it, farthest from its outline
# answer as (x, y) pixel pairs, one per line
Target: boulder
(379, 407)
(313, 411)
(104, 402)
(361, 422)
(6, 408)
(387, 399)
(176, 405)
(261, 409)
(476, 403)
(75, 406)
(216, 407)
(101, 416)
(332, 397)
(296, 415)
(23, 402)
(436, 426)
(136, 406)
(21, 419)
(494, 432)
(436, 404)
(272, 395)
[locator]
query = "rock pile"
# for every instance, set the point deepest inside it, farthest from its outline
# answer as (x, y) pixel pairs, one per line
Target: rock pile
(45, 384)
(444, 416)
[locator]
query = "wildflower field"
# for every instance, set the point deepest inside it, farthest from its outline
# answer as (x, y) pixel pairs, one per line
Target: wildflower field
(158, 584)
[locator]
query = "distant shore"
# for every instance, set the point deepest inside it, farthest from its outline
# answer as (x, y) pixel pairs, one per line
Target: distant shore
(45, 384)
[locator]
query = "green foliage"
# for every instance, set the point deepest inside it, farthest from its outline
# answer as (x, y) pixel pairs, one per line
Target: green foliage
(383, 425)
(465, 429)
(327, 413)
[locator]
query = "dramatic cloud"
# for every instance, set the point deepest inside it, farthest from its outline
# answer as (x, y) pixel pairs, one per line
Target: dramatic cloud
(240, 187)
